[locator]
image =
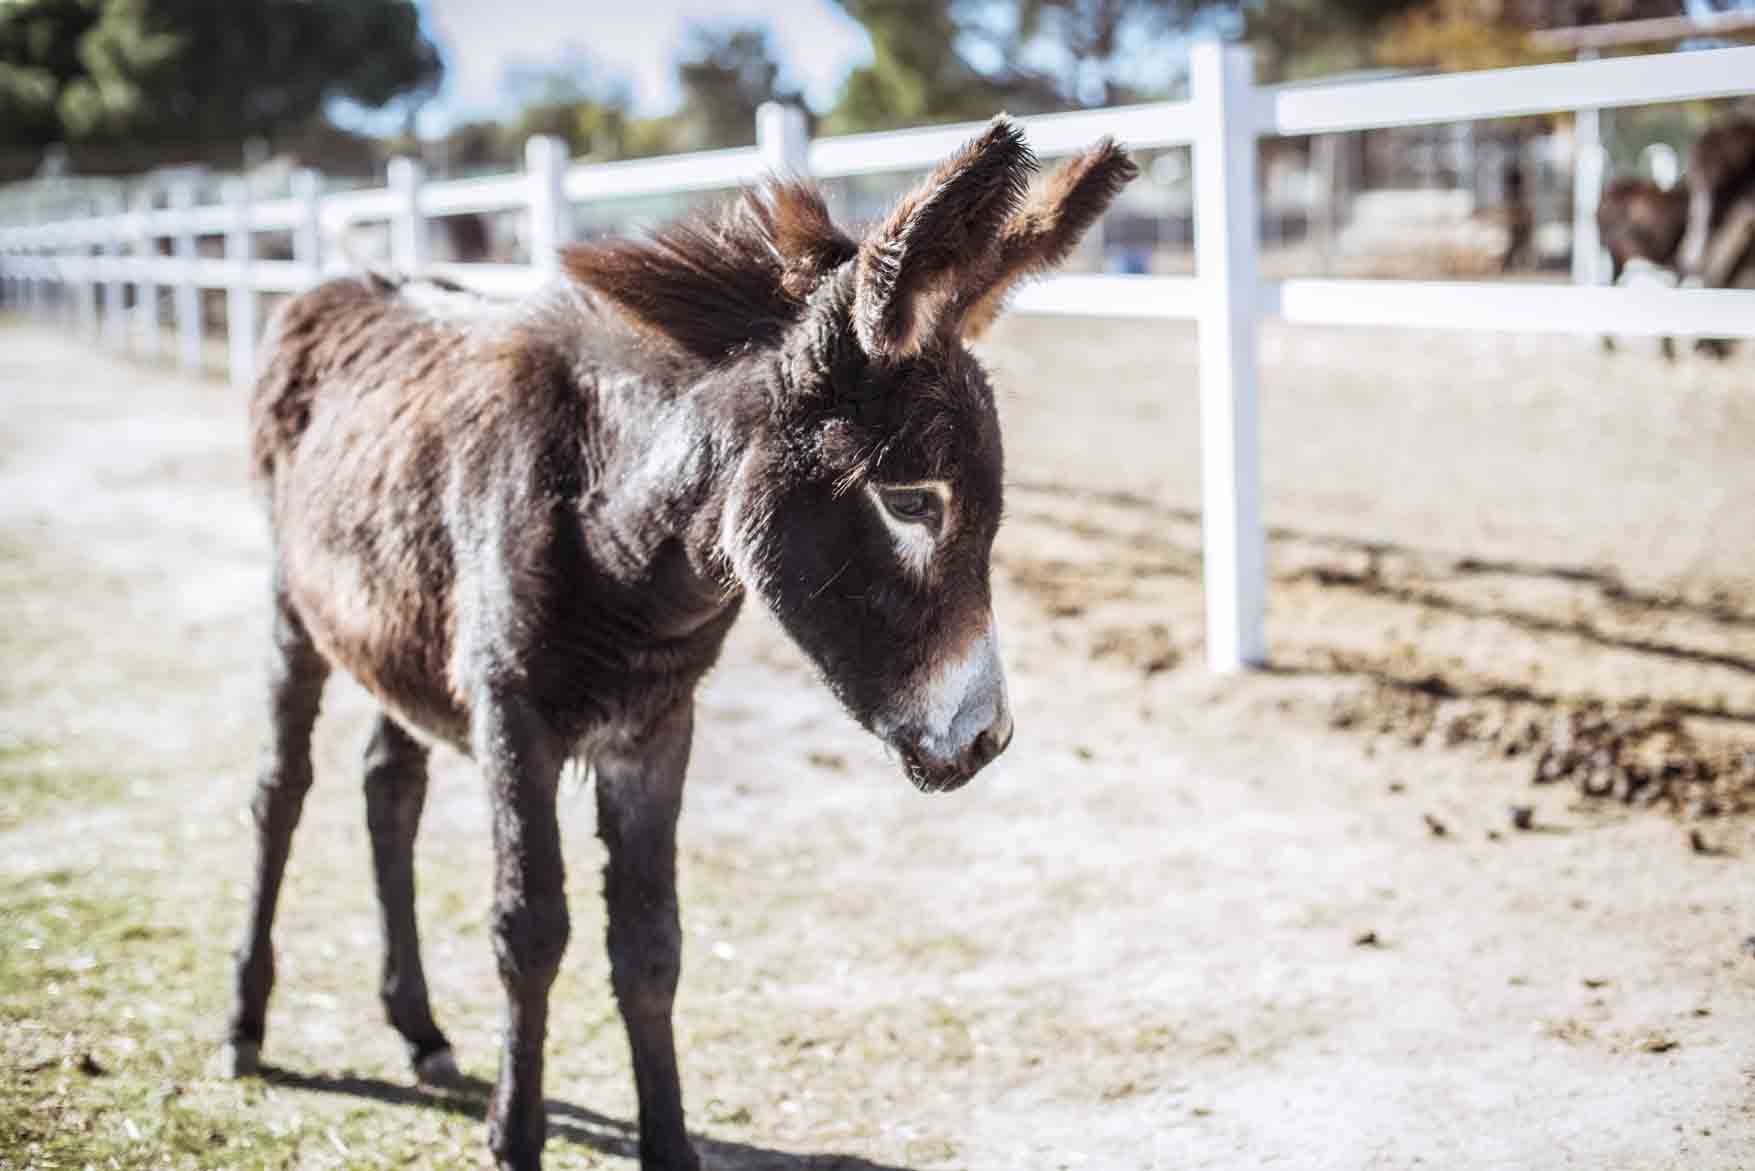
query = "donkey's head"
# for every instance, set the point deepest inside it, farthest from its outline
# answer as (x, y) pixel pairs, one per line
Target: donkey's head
(868, 483)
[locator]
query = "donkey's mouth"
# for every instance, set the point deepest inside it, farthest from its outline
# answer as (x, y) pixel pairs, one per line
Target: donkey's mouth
(930, 779)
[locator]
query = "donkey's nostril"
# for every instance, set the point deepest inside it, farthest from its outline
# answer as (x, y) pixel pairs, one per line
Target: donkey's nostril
(989, 744)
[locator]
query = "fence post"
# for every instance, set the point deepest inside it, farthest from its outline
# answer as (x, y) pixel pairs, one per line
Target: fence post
(146, 283)
(783, 138)
(1227, 219)
(115, 247)
(1588, 159)
(186, 302)
(408, 227)
(240, 307)
(67, 305)
(88, 282)
(545, 161)
(307, 236)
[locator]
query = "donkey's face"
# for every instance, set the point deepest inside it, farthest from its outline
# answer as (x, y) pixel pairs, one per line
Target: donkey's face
(874, 546)
(866, 516)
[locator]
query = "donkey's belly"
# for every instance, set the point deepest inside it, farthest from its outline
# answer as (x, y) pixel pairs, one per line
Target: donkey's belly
(395, 640)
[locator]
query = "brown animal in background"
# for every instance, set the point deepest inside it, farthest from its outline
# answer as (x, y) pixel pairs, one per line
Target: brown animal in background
(1639, 221)
(527, 528)
(1718, 248)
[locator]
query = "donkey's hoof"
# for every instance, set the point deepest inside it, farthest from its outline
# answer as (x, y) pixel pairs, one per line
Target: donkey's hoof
(239, 1059)
(438, 1068)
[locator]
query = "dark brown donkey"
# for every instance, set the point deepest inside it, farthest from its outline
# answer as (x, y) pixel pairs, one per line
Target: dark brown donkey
(1718, 248)
(526, 529)
(1640, 222)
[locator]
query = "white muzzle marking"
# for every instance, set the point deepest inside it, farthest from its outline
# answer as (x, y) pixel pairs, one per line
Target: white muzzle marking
(963, 699)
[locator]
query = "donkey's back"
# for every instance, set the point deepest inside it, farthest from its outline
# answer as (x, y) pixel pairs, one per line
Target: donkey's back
(389, 421)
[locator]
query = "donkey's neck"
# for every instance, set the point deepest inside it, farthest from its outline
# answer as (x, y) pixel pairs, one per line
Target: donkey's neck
(661, 459)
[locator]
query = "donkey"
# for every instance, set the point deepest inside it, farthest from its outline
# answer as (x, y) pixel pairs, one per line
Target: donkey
(1718, 247)
(526, 529)
(1637, 220)
(1641, 225)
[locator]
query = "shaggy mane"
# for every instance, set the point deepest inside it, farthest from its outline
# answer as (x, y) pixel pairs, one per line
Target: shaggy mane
(718, 281)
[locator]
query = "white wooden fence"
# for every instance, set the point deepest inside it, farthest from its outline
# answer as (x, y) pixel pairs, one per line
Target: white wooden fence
(80, 267)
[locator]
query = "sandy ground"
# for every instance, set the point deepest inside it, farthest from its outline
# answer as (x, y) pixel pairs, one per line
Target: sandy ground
(1185, 922)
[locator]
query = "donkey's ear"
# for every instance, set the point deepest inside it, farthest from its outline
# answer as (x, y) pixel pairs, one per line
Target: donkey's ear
(907, 264)
(1045, 230)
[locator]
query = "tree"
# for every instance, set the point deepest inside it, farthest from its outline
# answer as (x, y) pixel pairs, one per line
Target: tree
(1449, 35)
(170, 71)
(39, 55)
(725, 73)
(570, 101)
(1297, 39)
(962, 59)
(1070, 53)
(916, 74)
(1491, 34)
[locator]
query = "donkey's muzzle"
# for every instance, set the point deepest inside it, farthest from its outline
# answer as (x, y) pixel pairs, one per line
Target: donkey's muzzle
(954, 723)
(932, 773)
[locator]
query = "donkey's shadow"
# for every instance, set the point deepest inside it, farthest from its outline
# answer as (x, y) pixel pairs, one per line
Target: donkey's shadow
(566, 1122)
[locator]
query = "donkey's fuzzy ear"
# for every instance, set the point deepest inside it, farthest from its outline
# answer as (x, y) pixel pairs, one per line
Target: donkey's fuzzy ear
(948, 224)
(1045, 230)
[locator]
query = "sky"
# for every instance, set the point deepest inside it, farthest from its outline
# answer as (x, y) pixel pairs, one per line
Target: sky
(635, 40)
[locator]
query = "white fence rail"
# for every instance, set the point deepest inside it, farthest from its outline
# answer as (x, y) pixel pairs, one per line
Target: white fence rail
(80, 268)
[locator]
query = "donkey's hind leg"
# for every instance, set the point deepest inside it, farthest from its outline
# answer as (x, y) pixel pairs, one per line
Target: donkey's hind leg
(296, 673)
(396, 791)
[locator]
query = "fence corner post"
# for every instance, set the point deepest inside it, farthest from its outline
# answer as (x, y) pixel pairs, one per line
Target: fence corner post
(186, 301)
(783, 138)
(551, 220)
(87, 313)
(116, 233)
(307, 236)
(1227, 221)
(408, 224)
(240, 310)
(146, 277)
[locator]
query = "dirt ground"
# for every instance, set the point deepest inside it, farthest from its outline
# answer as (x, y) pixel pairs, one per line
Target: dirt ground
(1285, 918)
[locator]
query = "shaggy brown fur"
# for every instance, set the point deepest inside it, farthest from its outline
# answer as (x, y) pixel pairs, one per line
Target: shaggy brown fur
(526, 529)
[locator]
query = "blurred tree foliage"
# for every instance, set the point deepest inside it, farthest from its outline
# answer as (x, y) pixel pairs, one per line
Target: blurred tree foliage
(1449, 35)
(183, 71)
(936, 60)
(725, 74)
(1296, 39)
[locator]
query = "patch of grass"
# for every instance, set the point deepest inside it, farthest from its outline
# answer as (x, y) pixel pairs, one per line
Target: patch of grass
(34, 785)
(112, 1003)
(90, 1078)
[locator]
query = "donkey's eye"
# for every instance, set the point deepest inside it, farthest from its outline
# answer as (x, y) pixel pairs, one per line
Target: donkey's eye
(917, 506)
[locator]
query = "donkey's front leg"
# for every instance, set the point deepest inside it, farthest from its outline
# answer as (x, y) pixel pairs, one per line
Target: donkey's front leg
(639, 791)
(296, 674)
(521, 758)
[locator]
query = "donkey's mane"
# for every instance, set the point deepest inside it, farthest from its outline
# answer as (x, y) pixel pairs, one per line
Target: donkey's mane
(718, 281)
